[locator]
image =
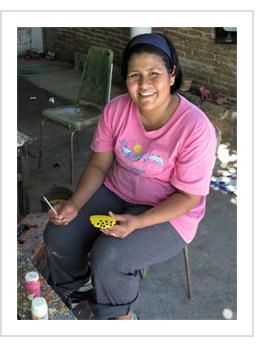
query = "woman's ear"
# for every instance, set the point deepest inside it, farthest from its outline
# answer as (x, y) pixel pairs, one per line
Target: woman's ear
(173, 72)
(173, 75)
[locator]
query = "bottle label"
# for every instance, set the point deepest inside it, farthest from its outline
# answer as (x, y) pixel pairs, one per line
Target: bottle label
(33, 289)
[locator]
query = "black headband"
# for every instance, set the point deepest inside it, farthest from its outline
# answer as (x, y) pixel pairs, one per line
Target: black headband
(155, 40)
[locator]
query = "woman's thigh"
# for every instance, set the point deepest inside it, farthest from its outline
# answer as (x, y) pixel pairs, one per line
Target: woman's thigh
(143, 247)
(155, 243)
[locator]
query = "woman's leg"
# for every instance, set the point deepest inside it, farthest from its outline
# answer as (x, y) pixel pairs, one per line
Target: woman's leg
(67, 246)
(116, 263)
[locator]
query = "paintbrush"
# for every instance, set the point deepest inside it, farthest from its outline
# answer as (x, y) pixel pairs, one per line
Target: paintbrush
(49, 204)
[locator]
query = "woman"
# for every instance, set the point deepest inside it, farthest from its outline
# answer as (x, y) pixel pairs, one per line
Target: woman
(152, 158)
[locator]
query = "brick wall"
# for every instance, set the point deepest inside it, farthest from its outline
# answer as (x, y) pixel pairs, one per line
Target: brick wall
(208, 63)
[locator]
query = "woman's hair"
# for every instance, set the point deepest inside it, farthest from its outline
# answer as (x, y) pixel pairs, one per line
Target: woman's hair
(155, 43)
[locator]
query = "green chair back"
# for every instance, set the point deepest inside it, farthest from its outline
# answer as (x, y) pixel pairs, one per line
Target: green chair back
(97, 77)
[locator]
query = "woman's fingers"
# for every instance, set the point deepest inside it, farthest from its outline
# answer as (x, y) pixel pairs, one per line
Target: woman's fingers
(111, 232)
(118, 217)
(64, 213)
(122, 228)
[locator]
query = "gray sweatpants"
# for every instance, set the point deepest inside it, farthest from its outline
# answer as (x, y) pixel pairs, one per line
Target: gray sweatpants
(115, 262)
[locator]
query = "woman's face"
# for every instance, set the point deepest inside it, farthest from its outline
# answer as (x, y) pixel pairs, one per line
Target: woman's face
(148, 81)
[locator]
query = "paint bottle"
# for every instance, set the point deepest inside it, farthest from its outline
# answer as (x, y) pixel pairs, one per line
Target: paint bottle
(39, 309)
(32, 284)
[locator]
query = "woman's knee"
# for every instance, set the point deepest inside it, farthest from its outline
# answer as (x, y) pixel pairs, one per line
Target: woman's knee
(105, 256)
(53, 234)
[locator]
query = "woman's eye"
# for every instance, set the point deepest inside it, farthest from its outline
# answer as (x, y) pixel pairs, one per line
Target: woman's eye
(153, 74)
(133, 75)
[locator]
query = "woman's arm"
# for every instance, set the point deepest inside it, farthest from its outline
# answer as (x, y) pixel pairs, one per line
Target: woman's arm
(91, 179)
(173, 207)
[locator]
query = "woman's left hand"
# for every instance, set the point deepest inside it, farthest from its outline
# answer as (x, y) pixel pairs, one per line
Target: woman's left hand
(126, 224)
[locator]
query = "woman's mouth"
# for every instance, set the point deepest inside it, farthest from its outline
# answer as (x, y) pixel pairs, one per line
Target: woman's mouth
(146, 94)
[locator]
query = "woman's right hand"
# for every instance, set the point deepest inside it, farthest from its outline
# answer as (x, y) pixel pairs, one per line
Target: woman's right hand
(66, 212)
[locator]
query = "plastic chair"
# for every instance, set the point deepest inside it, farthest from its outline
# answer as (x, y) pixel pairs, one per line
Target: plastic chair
(93, 95)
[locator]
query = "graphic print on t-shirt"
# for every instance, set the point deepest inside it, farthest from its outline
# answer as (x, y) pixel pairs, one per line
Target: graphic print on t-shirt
(142, 161)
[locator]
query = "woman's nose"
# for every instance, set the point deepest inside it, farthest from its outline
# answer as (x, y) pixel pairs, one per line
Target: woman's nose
(144, 80)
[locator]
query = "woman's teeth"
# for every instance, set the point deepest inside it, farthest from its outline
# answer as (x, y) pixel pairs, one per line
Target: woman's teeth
(146, 93)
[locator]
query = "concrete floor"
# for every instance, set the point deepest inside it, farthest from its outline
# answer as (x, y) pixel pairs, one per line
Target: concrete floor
(163, 293)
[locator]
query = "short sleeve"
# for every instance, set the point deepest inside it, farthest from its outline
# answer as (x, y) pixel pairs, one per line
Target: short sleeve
(103, 136)
(195, 161)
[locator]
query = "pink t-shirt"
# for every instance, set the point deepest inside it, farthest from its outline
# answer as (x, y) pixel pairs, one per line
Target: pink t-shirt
(151, 164)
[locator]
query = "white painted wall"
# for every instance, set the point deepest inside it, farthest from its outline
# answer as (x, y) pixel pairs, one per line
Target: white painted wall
(23, 40)
(139, 30)
(29, 39)
(37, 40)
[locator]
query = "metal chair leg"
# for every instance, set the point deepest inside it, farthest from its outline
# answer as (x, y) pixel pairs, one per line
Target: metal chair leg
(40, 142)
(188, 271)
(143, 271)
(72, 159)
(77, 140)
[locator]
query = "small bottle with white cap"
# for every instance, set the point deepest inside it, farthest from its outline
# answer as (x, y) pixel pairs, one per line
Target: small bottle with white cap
(39, 308)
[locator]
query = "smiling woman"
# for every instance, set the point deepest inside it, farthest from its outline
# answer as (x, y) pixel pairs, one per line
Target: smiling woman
(150, 169)
(150, 67)
(159, 45)
(148, 83)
